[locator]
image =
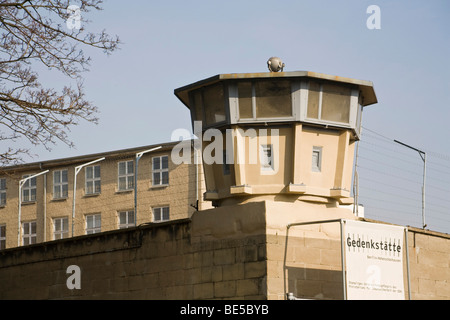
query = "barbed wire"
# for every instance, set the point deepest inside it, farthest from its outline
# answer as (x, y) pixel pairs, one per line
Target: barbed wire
(390, 182)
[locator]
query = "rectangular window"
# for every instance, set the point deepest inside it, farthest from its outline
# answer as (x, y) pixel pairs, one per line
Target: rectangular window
(93, 223)
(2, 192)
(328, 102)
(2, 237)
(126, 219)
(29, 189)
(267, 157)
(126, 175)
(161, 214)
(273, 99)
(317, 159)
(214, 104)
(160, 171)
(336, 103)
(60, 228)
(93, 181)
(264, 99)
(60, 184)
(198, 105)
(28, 233)
(245, 100)
(314, 94)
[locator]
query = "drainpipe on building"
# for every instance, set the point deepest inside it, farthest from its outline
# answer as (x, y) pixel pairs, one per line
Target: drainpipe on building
(45, 204)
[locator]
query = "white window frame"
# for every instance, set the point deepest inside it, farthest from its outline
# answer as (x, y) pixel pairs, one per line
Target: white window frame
(92, 181)
(129, 177)
(160, 171)
(2, 192)
(316, 165)
(128, 214)
(159, 211)
(30, 237)
(61, 233)
(2, 236)
(58, 186)
(30, 186)
(96, 223)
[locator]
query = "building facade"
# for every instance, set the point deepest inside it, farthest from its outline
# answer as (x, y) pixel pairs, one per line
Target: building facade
(106, 197)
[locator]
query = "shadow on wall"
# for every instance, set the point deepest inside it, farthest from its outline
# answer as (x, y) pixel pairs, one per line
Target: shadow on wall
(320, 284)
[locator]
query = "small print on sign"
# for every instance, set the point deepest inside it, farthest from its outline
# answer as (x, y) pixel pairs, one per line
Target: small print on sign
(374, 261)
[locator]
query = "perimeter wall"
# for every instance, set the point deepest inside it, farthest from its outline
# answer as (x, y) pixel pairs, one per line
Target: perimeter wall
(222, 253)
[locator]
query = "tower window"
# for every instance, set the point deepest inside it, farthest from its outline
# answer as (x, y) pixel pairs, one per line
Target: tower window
(267, 157)
(317, 159)
(329, 102)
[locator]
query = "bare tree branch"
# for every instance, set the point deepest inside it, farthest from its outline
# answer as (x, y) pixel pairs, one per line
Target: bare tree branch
(33, 33)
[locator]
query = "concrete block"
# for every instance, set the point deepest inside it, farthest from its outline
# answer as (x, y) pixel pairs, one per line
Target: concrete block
(233, 271)
(225, 289)
(255, 269)
(203, 291)
(248, 287)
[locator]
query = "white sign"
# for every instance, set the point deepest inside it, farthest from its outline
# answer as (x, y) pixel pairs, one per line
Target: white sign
(374, 261)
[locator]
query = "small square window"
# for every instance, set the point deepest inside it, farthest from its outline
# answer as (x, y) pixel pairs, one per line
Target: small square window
(273, 99)
(161, 214)
(93, 223)
(267, 157)
(317, 159)
(60, 228)
(126, 219)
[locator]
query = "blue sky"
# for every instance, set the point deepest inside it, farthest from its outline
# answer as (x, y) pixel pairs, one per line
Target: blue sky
(168, 44)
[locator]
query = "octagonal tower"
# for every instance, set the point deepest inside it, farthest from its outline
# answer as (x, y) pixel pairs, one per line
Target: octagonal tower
(285, 135)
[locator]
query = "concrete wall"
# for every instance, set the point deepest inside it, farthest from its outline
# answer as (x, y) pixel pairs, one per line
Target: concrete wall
(158, 261)
(234, 252)
(429, 258)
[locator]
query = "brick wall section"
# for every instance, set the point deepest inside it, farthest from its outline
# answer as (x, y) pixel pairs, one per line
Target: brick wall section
(429, 258)
(310, 268)
(151, 262)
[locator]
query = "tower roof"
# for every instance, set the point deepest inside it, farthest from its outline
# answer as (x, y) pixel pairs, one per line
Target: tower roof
(366, 87)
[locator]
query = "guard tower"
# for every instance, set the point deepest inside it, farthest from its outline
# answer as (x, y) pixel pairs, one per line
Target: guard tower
(286, 136)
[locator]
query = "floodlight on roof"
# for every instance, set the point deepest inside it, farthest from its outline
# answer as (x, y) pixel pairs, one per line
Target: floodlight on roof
(275, 64)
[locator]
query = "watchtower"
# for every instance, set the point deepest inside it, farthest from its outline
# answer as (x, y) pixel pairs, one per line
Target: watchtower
(282, 135)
